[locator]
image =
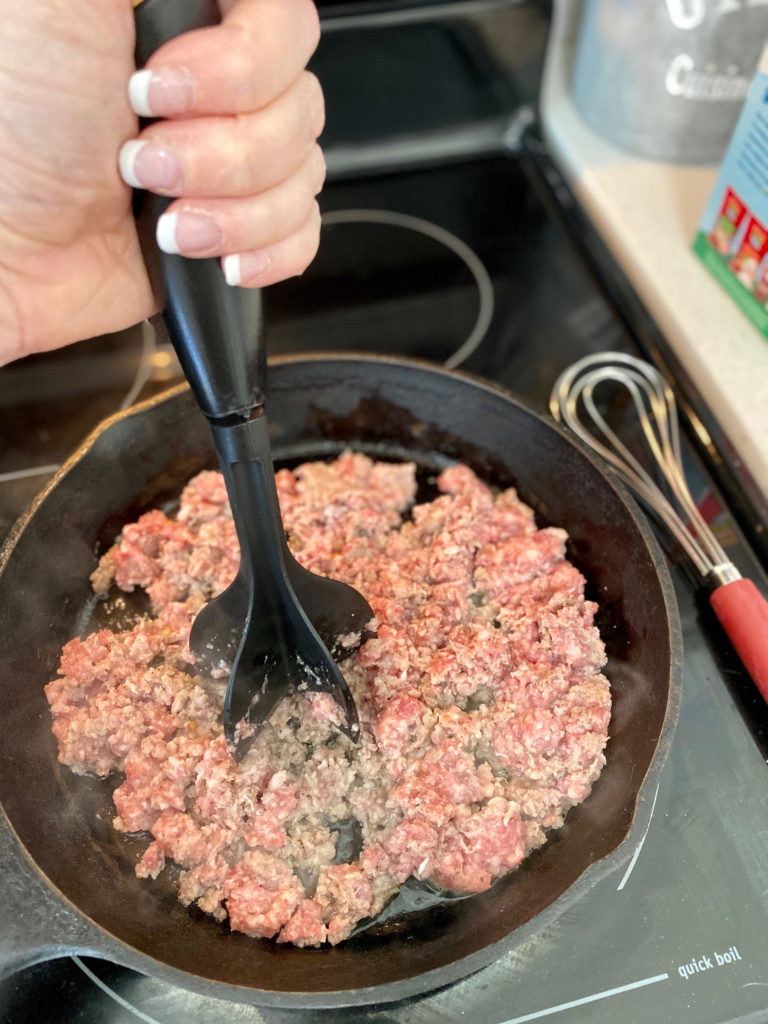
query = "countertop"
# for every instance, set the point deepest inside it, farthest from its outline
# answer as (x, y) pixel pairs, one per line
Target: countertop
(647, 212)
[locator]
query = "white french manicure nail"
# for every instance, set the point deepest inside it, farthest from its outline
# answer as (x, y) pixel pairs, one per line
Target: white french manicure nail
(145, 164)
(163, 92)
(166, 233)
(138, 92)
(128, 155)
(232, 274)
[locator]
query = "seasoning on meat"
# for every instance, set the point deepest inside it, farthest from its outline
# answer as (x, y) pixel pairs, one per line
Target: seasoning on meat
(483, 709)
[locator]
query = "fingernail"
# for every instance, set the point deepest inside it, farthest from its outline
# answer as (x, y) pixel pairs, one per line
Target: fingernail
(150, 165)
(189, 232)
(245, 267)
(232, 274)
(162, 93)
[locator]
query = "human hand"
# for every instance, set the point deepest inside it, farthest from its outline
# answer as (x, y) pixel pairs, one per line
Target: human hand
(238, 149)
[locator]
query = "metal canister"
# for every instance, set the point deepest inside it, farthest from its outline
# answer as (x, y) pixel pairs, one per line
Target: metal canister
(667, 78)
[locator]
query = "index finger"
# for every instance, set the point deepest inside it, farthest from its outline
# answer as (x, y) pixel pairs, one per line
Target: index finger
(239, 66)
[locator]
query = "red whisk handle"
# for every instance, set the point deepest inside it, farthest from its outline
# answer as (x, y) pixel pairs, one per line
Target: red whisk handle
(743, 613)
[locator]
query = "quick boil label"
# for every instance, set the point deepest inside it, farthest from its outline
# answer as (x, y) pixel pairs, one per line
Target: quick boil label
(708, 962)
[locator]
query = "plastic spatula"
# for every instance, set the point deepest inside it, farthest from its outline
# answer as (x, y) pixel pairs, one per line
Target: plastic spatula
(277, 622)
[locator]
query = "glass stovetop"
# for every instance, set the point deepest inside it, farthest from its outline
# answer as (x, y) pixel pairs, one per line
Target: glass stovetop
(675, 933)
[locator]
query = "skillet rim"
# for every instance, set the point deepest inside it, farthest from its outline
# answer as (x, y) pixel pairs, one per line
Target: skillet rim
(131, 957)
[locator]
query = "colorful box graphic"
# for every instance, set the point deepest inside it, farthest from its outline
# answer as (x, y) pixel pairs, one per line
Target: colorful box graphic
(745, 262)
(727, 224)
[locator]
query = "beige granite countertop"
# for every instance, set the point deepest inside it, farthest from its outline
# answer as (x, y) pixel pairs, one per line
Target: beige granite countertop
(647, 212)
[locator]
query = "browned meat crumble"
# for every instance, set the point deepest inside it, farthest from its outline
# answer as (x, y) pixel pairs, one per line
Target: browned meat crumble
(483, 708)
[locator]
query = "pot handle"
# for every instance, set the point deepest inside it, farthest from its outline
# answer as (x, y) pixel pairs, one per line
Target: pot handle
(215, 329)
(37, 923)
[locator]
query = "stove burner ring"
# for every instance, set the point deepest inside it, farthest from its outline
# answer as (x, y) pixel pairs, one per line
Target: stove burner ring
(468, 256)
(115, 996)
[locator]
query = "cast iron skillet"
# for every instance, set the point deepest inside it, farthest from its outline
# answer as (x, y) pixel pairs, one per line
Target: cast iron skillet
(70, 885)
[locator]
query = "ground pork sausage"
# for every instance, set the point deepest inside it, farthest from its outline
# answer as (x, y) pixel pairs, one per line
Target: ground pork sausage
(483, 706)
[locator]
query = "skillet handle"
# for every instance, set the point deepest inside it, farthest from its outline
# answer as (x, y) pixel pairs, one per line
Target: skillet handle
(215, 329)
(37, 924)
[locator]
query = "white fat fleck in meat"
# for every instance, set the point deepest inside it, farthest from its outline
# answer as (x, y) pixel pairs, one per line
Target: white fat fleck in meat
(483, 708)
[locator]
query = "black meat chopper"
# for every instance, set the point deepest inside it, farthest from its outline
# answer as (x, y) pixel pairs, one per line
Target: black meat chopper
(277, 623)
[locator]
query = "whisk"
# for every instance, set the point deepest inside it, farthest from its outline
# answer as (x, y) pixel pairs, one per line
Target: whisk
(737, 602)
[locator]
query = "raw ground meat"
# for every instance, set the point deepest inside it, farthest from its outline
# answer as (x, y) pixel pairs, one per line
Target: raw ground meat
(484, 712)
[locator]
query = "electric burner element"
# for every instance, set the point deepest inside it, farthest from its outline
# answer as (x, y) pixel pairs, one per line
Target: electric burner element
(443, 237)
(392, 280)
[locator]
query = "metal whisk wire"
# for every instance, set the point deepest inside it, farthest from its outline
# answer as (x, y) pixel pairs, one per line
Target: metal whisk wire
(739, 605)
(573, 402)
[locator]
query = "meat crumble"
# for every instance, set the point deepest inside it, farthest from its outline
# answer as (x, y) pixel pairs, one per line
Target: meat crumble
(483, 709)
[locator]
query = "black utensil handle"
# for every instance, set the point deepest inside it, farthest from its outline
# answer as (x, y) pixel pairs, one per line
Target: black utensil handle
(157, 21)
(215, 329)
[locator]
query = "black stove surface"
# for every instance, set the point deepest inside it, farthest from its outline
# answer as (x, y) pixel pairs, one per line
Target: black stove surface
(467, 262)
(678, 932)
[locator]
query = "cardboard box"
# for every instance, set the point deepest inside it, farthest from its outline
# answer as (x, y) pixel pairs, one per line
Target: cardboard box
(732, 241)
